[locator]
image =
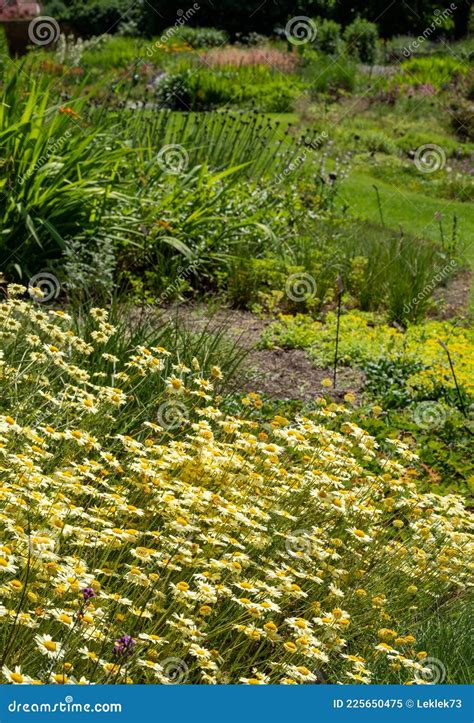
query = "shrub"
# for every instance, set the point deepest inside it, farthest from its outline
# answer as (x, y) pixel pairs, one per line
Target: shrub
(200, 37)
(247, 277)
(400, 47)
(89, 268)
(92, 17)
(361, 37)
(462, 120)
(206, 89)
(437, 72)
(324, 75)
(328, 37)
(251, 39)
(378, 141)
(174, 91)
(277, 96)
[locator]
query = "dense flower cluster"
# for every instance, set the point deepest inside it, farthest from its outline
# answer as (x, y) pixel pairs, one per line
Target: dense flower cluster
(229, 550)
(363, 337)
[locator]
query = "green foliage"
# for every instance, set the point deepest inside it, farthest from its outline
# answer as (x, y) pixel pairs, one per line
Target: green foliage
(3, 47)
(326, 76)
(89, 269)
(433, 70)
(447, 634)
(397, 49)
(377, 141)
(55, 180)
(199, 37)
(242, 16)
(462, 118)
(445, 184)
(251, 40)
(387, 379)
(113, 51)
(413, 264)
(328, 37)
(102, 179)
(357, 253)
(361, 37)
(247, 87)
(91, 17)
(174, 91)
(414, 138)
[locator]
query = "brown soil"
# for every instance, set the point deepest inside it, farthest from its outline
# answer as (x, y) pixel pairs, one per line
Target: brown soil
(289, 373)
(277, 373)
(242, 327)
(453, 300)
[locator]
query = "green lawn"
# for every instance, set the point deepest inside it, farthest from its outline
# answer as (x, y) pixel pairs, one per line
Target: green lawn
(414, 212)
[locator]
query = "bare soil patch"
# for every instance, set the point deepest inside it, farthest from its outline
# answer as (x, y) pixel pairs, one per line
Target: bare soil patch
(289, 373)
(453, 300)
(277, 373)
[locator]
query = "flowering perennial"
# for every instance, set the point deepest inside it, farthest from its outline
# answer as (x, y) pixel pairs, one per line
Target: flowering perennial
(241, 549)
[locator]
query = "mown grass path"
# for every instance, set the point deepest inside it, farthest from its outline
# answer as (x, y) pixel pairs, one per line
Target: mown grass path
(414, 212)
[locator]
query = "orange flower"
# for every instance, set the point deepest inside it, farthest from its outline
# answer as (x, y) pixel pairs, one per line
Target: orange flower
(69, 111)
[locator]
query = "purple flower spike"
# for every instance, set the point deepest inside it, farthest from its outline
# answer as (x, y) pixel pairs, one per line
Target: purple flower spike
(88, 593)
(124, 646)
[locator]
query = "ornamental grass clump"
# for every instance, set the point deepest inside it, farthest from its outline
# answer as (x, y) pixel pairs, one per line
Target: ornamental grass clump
(201, 546)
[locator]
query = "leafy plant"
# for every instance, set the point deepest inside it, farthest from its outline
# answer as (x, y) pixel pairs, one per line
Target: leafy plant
(328, 37)
(92, 17)
(361, 38)
(56, 178)
(89, 269)
(200, 37)
(326, 76)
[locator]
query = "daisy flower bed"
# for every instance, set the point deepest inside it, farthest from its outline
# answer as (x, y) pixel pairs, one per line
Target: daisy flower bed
(147, 535)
